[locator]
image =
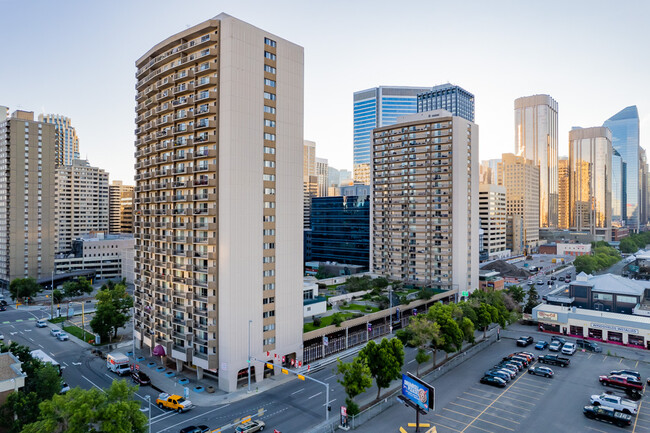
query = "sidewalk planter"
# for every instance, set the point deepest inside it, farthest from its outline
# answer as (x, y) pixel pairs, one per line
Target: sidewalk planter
(160, 369)
(140, 358)
(151, 364)
(183, 381)
(210, 389)
(198, 389)
(170, 374)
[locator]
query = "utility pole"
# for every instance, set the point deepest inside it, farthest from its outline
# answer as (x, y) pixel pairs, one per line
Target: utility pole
(52, 296)
(249, 355)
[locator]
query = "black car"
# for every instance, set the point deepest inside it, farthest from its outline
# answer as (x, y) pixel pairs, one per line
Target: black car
(589, 346)
(3, 302)
(525, 341)
(561, 279)
(140, 378)
(3, 308)
(553, 278)
(632, 373)
(494, 381)
(195, 429)
(501, 374)
(607, 414)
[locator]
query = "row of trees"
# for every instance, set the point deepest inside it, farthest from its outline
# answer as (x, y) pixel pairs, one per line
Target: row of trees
(443, 327)
(21, 288)
(603, 257)
(633, 243)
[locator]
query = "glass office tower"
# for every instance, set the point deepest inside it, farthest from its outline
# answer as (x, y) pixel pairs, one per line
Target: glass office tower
(536, 139)
(625, 140)
(454, 99)
(374, 108)
(618, 189)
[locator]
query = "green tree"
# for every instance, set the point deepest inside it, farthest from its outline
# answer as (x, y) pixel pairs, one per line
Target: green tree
(421, 357)
(356, 380)
(385, 361)
(58, 296)
(84, 411)
(20, 288)
(112, 311)
(20, 409)
(517, 293)
(484, 318)
(81, 286)
(422, 332)
(532, 300)
(380, 283)
(425, 293)
(322, 274)
(337, 319)
(453, 335)
(357, 284)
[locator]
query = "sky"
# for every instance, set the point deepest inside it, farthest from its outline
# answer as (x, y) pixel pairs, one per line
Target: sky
(77, 58)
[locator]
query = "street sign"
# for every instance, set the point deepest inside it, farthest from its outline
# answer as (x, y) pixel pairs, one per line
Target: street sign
(466, 294)
(325, 340)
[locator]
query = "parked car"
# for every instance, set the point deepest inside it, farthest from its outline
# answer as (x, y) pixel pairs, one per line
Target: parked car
(498, 373)
(632, 373)
(41, 323)
(2, 336)
(494, 381)
(560, 339)
(521, 359)
(554, 360)
(607, 414)
(195, 429)
(569, 349)
(525, 341)
(250, 427)
(555, 346)
(64, 388)
(541, 345)
(54, 332)
(508, 367)
(3, 308)
(529, 355)
(140, 378)
(512, 363)
(541, 371)
(632, 386)
(540, 282)
(615, 402)
(590, 346)
(553, 278)
(561, 279)
(62, 336)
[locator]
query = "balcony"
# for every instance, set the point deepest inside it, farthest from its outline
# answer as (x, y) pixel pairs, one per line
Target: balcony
(204, 124)
(205, 153)
(183, 89)
(181, 76)
(205, 138)
(205, 168)
(206, 95)
(164, 83)
(205, 81)
(183, 102)
(181, 156)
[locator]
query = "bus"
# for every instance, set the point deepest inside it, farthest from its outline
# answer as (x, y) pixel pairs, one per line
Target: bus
(44, 357)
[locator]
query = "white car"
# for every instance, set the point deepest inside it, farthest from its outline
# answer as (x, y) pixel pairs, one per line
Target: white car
(615, 402)
(2, 336)
(62, 336)
(555, 346)
(569, 348)
(54, 332)
(41, 324)
(64, 388)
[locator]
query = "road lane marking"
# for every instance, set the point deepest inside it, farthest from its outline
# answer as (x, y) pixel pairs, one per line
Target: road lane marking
(466, 407)
(500, 417)
(637, 363)
(493, 423)
(620, 360)
(446, 426)
(91, 382)
(30, 339)
(523, 394)
(516, 407)
(474, 395)
(411, 361)
(604, 358)
(296, 392)
(186, 421)
(459, 413)
(315, 395)
(518, 400)
(471, 401)
(65, 363)
(41, 346)
(491, 404)
(637, 416)
(329, 402)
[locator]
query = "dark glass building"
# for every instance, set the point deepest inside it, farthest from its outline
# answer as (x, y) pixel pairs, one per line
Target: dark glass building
(340, 230)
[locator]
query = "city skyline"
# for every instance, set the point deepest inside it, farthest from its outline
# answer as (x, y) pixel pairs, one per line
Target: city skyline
(107, 66)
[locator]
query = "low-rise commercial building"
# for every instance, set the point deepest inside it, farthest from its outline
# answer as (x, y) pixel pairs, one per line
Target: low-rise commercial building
(12, 377)
(490, 280)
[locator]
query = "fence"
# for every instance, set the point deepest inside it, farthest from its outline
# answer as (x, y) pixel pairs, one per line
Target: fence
(338, 344)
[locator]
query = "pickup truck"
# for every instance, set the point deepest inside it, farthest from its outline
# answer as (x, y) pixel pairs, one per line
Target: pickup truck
(554, 360)
(630, 386)
(173, 402)
(615, 402)
(607, 414)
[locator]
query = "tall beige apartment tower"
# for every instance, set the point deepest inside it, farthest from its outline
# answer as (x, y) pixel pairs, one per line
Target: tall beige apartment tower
(590, 181)
(520, 177)
(424, 216)
(81, 202)
(492, 212)
(67, 142)
(309, 179)
(218, 197)
(536, 139)
(120, 207)
(27, 206)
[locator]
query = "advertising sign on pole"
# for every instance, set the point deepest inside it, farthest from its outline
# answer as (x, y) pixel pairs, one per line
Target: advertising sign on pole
(417, 392)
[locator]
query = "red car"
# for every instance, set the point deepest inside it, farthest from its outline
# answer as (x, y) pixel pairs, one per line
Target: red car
(625, 383)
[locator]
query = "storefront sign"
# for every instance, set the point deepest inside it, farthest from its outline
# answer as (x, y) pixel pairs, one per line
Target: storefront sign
(546, 316)
(614, 328)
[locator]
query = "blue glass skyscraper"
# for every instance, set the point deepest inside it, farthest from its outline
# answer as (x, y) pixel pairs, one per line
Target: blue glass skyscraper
(625, 140)
(454, 99)
(374, 108)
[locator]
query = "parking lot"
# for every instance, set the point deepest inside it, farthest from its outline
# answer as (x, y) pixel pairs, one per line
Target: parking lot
(532, 403)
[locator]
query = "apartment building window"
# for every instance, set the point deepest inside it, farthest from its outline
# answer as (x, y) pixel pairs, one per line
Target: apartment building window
(269, 96)
(269, 218)
(269, 232)
(270, 300)
(270, 191)
(269, 246)
(270, 327)
(269, 137)
(268, 314)
(269, 42)
(269, 69)
(269, 177)
(269, 56)
(269, 83)
(269, 150)
(269, 273)
(269, 164)
(269, 204)
(270, 110)
(268, 259)
(269, 123)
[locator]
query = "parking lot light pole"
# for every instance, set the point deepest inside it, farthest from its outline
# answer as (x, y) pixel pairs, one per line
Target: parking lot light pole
(249, 355)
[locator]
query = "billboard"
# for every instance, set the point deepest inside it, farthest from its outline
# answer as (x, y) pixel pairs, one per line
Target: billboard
(417, 392)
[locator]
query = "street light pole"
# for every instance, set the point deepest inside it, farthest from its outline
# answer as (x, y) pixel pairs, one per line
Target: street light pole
(83, 327)
(249, 355)
(148, 398)
(52, 296)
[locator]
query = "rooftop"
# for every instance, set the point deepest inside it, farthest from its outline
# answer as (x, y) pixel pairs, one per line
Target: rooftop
(610, 283)
(9, 367)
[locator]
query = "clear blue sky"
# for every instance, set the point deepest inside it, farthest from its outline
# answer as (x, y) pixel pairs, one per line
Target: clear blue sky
(76, 58)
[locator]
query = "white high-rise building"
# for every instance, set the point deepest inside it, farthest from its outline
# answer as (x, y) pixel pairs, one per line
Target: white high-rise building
(219, 199)
(425, 216)
(322, 172)
(81, 202)
(492, 211)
